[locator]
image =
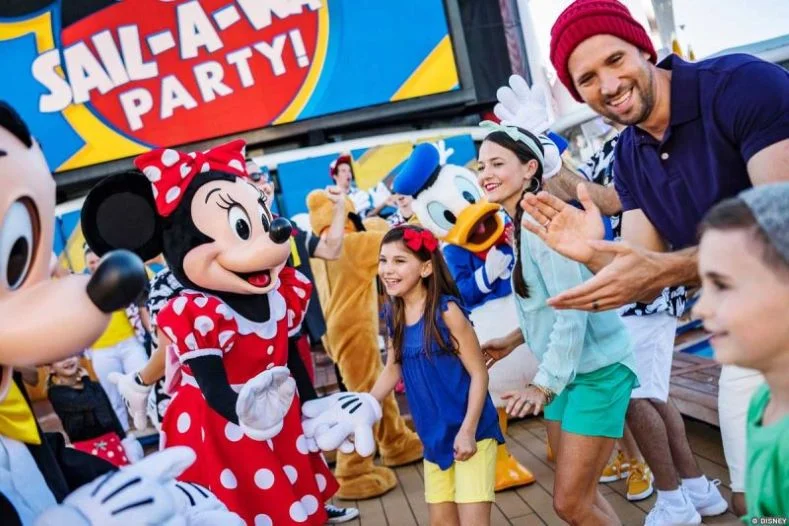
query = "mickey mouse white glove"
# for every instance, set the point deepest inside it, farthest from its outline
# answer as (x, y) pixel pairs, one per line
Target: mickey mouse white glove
(522, 106)
(333, 420)
(134, 395)
(200, 507)
(497, 265)
(264, 401)
(140, 494)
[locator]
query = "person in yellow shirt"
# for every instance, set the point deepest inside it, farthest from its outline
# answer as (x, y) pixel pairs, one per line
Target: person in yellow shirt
(116, 350)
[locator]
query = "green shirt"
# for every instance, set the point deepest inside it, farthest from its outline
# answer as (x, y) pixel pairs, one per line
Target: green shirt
(767, 478)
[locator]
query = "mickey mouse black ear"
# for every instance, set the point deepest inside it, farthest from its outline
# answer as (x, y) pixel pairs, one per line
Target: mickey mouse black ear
(120, 212)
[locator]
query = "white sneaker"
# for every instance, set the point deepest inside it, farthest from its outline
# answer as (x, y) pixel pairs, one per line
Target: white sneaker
(340, 515)
(709, 503)
(664, 514)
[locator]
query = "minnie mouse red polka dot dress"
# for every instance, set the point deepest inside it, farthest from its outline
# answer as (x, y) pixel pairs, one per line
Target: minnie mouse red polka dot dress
(273, 482)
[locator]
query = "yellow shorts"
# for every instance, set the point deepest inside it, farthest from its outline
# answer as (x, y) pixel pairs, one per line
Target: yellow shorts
(472, 480)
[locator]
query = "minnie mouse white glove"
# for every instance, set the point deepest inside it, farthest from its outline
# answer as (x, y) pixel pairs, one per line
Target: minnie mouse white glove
(264, 401)
(134, 395)
(140, 494)
(335, 419)
(522, 106)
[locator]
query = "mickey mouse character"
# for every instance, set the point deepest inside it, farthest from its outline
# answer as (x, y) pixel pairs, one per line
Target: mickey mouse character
(42, 482)
(227, 329)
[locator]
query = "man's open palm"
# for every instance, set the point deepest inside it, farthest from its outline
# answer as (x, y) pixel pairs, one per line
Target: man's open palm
(563, 227)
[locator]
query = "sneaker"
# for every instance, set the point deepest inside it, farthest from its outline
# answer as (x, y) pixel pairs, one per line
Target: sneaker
(617, 469)
(664, 514)
(338, 515)
(709, 503)
(639, 482)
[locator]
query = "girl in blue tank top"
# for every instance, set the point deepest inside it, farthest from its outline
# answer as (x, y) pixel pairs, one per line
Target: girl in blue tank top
(433, 348)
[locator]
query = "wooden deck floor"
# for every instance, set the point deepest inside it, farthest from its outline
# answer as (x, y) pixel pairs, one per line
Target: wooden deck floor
(694, 388)
(531, 505)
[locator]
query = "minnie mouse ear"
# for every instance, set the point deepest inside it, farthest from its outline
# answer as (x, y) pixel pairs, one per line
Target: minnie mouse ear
(120, 212)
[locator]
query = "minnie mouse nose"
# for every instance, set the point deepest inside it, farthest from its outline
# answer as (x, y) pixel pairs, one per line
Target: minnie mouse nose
(280, 230)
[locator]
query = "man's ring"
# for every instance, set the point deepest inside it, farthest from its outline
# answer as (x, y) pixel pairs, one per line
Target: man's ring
(545, 225)
(595, 306)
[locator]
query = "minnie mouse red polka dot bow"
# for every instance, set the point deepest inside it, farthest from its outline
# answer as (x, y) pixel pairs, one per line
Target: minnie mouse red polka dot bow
(171, 171)
(416, 240)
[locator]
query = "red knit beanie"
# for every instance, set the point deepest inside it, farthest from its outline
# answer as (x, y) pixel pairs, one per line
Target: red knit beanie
(584, 19)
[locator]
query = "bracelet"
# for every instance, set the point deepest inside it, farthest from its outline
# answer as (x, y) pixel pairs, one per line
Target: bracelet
(549, 395)
(138, 380)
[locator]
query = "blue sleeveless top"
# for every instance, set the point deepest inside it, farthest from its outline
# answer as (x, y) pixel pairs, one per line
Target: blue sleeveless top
(437, 389)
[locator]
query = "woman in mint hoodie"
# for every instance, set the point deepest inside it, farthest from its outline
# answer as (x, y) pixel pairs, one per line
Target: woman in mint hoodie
(587, 369)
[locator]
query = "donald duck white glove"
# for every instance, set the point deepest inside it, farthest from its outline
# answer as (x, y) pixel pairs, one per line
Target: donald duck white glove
(334, 420)
(522, 106)
(497, 265)
(527, 108)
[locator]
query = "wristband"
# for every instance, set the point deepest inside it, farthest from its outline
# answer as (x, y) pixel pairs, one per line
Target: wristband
(138, 380)
(549, 395)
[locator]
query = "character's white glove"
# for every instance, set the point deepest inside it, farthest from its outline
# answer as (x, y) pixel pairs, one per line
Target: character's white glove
(361, 201)
(379, 194)
(497, 265)
(200, 507)
(264, 401)
(444, 153)
(313, 447)
(135, 396)
(334, 420)
(552, 158)
(133, 449)
(522, 106)
(140, 494)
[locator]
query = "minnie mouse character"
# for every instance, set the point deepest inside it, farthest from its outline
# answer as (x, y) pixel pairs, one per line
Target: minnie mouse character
(227, 329)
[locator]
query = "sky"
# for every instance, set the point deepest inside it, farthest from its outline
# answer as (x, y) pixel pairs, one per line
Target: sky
(709, 25)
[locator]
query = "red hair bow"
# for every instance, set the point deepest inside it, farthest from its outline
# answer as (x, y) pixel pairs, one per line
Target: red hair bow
(416, 240)
(171, 171)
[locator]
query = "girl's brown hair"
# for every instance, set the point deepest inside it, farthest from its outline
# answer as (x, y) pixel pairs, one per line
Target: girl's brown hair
(524, 155)
(438, 283)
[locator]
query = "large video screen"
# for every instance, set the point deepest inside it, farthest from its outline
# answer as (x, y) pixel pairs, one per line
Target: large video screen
(99, 80)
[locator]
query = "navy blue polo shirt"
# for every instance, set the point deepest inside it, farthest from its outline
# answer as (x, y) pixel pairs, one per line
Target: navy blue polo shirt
(723, 111)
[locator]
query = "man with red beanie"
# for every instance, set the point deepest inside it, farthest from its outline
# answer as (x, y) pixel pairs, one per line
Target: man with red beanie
(697, 134)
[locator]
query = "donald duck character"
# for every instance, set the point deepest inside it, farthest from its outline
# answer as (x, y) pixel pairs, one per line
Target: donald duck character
(448, 201)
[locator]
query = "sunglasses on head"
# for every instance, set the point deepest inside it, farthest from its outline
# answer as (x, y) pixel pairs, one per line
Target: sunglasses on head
(257, 176)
